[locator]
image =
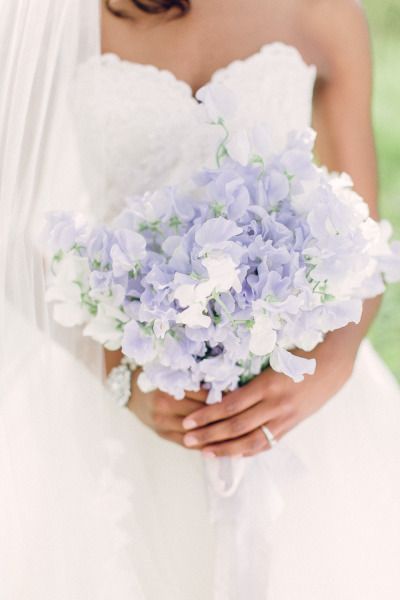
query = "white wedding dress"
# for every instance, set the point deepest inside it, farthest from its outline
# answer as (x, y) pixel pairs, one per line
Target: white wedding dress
(337, 532)
(134, 517)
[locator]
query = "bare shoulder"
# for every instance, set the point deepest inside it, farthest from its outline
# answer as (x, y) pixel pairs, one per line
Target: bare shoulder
(338, 35)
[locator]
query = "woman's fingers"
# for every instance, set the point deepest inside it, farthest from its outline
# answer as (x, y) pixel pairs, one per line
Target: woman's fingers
(172, 436)
(185, 407)
(167, 405)
(168, 423)
(200, 395)
(168, 413)
(232, 428)
(231, 404)
(247, 445)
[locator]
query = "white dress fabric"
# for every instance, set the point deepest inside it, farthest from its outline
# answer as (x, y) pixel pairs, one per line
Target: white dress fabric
(130, 515)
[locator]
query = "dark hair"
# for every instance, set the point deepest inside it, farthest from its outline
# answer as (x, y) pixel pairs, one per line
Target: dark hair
(158, 6)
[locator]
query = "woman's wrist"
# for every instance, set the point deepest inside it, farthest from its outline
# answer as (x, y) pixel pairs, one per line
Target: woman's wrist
(112, 358)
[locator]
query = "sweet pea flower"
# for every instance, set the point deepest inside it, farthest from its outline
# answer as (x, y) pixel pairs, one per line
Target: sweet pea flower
(69, 285)
(262, 336)
(127, 251)
(215, 233)
(291, 365)
(104, 327)
(138, 344)
(63, 230)
(218, 101)
(193, 316)
(222, 273)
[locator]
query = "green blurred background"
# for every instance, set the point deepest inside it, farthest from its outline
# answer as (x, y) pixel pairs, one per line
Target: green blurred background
(384, 20)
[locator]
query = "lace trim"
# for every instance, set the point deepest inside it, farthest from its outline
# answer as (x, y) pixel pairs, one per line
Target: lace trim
(272, 49)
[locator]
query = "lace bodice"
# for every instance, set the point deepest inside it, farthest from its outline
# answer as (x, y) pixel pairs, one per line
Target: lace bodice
(139, 126)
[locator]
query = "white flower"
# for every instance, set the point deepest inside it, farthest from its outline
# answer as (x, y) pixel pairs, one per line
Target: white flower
(339, 181)
(185, 294)
(356, 208)
(291, 365)
(144, 383)
(239, 147)
(379, 235)
(262, 336)
(150, 207)
(105, 326)
(222, 272)
(193, 316)
(104, 329)
(194, 296)
(194, 299)
(69, 314)
(70, 282)
(218, 100)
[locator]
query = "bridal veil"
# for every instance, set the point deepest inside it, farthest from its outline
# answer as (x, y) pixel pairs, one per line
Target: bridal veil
(59, 502)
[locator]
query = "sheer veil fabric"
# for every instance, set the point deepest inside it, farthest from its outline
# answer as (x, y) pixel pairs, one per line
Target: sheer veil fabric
(59, 504)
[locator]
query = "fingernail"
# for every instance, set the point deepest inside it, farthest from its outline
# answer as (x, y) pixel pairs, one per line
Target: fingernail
(190, 440)
(208, 454)
(189, 423)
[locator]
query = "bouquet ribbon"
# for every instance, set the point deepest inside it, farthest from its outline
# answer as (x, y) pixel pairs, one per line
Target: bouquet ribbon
(246, 498)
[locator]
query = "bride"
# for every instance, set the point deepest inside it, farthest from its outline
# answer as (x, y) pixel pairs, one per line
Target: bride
(99, 502)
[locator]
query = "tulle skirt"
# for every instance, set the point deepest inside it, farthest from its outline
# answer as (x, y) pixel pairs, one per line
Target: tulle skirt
(95, 506)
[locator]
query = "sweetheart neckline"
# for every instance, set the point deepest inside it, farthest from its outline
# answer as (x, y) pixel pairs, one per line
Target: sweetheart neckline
(238, 62)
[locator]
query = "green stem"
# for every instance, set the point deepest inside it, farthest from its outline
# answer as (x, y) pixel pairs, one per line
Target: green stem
(221, 150)
(226, 312)
(225, 309)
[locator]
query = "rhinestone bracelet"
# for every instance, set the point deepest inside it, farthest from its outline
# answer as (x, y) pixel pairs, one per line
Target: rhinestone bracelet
(119, 381)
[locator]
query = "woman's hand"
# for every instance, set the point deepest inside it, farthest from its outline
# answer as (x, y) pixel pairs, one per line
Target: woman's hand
(233, 426)
(163, 413)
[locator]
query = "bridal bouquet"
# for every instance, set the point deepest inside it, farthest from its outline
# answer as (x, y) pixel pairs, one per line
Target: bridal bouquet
(208, 285)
